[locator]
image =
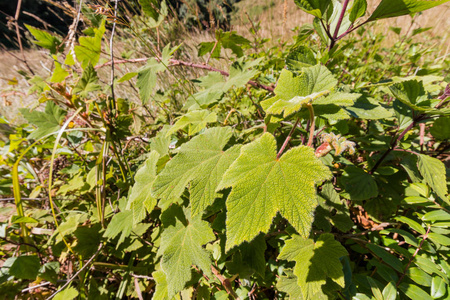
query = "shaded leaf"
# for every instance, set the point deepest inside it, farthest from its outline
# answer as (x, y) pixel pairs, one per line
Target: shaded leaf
(46, 122)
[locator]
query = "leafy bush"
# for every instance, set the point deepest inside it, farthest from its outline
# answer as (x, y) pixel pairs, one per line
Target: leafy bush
(308, 173)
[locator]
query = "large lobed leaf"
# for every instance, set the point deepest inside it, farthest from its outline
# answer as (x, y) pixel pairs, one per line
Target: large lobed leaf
(315, 262)
(141, 201)
(264, 185)
(46, 122)
(181, 247)
(201, 162)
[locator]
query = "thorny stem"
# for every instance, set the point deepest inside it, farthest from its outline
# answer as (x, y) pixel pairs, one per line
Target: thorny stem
(312, 126)
(288, 138)
(414, 255)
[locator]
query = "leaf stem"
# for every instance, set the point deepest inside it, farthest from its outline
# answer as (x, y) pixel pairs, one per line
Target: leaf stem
(312, 126)
(288, 138)
(338, 25)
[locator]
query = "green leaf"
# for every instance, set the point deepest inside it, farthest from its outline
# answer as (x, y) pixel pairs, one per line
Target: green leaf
(120, 224)
(316, 8)
(438, 287)
(439, 238)
(88, 239)
(412, 291)
(67, 294)
(146, 79)
(59, 74)
(315, 262)
(196, 120)
(300, 57)
(413, 224)
(288, 284)
(390, 291)
(433, 171)
(368, 108)
(375, 289)
(46, 40)
(151, 8)
(46, 122)
(386, 257)
(181, 247)
(358, 184)
(264, 185)
(441, 128)
(395, 8)
(358, 10)
(88, 52)
(88, 82)
(419, 276)
(161, 292)
(292, 93)
(140, 200)
(201, 162)
(436, 215)
(25, 267)
(127, 77)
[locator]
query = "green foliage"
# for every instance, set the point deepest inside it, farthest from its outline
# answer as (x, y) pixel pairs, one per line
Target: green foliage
(46, 40)
(315, 168)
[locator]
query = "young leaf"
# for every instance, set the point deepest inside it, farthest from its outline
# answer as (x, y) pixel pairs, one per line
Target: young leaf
(141, 200)
(181, 247)
(263, 185)
(196, 120)
(146, 79)
(202, 162)
(46, 40)
(46, 122)
(395, 8)
(294, 92)
(288, 284)
(315, 262)
(316, 8)
(88, 82)
(433, 171)
(59, 74)
(358, 10)
(88, 52)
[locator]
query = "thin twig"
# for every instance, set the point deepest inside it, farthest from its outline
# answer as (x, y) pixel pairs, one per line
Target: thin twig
(111, 44)
(225, 283)
(288, 138)
(77, 273)
(19, 38)
(414, 255)
(175, 62)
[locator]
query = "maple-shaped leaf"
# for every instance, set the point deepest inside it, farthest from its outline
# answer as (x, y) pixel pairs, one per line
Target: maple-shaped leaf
(196, 120)
(288, 284)
(182, 246)
(46, 122)
(292, 93)
(315, 262)
(264, 185)
(202, 161)
(120, 224)
(141, 201)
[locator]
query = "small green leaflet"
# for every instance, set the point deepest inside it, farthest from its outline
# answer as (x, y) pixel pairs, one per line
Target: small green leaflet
(395, 8)
(196, 120)
(46, 40)
(88, 82)
(181, 247)
(358, 10)
(264, 185)
(201, 162)
(141, 200)
(59, 74)
(433, 171)
(292, 93)
(315, 262)
(46, 122)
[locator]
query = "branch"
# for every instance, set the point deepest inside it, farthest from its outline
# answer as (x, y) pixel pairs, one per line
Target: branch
(77, 273)
(288, 138)
(176, 62)
(225, 283)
